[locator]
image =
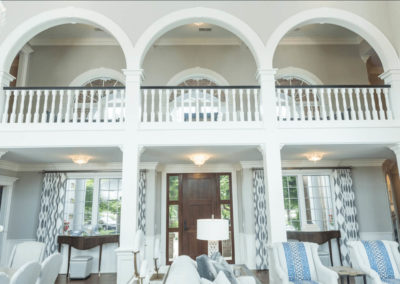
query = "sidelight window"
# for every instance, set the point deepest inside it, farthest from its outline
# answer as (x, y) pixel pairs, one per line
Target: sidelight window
(173, 216)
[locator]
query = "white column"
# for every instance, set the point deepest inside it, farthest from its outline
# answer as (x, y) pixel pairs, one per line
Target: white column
(131, 157)
(274, 191)
(5, 80)
(392, 77)
(266, 79)
(23, 65)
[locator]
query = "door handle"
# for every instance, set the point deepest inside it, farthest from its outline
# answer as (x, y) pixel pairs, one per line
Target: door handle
(185, 228)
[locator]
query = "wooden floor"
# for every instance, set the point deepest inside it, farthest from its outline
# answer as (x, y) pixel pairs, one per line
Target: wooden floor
(111, 279)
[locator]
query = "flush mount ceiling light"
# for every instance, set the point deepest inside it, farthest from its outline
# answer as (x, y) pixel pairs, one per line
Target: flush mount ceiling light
(315, 156)
(198, 24)
(199, 159)
(80, 159)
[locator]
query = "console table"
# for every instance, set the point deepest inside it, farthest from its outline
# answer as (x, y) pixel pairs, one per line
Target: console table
(84, 243)
(318, 237)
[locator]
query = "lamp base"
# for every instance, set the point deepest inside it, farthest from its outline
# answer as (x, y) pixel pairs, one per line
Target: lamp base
(213, 247)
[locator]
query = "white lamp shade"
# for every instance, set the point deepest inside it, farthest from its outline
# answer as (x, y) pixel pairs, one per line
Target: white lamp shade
(212, 229)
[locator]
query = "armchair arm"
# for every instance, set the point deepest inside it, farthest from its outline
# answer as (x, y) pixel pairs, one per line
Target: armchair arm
(324, 274)
(276, 274)
(358, 263)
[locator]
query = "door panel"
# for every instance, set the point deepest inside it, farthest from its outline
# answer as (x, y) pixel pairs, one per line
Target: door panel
(198, 202)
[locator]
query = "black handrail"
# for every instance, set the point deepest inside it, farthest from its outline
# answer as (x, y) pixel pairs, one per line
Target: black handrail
(196, 87)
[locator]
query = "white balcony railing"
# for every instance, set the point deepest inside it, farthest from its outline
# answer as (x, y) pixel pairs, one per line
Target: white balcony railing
(64, 105)
(200, 104)
(333, 103)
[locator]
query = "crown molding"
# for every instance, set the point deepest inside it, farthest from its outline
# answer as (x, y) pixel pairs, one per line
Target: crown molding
(197, 41)
(320, 41)
(333, 163)
(9, 166)
(148, 166)
(74, 42)
(250, 164)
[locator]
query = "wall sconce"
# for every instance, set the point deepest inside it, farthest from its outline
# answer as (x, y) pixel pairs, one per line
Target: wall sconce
(80, 159)
(315, 156)
(199, 159)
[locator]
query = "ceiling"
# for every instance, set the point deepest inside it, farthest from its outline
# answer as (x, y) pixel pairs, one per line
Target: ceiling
(219, 154)
(82, 33)
(180, 154)
(338, 152)
(61, 155)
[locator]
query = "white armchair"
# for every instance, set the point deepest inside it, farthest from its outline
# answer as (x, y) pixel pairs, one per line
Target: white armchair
(26, 252)
(297, 261)
(49, 269)
(26, 274)
(380, 260)
(4, 278)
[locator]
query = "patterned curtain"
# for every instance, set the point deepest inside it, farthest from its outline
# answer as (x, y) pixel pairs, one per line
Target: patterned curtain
(346, 211)
(142, 201)
(51, 216)
(261, 219)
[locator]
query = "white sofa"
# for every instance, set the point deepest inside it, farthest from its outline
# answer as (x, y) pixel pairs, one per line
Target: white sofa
(184, 271)
(360, 260)
(316, 271)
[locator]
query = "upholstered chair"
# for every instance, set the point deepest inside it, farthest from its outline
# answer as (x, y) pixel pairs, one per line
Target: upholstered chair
(49, 269)
(380, 260)
(298, 262)
(26, 274)
(4, 278)
(26, 252)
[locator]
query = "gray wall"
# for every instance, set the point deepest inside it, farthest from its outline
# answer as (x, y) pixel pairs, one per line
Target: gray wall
(371, 199)
(59, 65)
(25, 206)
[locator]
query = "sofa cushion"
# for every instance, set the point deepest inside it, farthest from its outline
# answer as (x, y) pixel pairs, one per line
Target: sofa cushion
(206, 268)
(220, 279)
(183, 270)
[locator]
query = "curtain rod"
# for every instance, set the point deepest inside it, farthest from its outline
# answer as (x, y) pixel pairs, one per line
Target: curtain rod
(83, 171)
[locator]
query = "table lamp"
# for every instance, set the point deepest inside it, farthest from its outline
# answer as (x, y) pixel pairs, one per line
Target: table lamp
(212, 230)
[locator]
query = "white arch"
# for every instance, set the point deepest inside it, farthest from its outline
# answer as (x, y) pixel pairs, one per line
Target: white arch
(199, 14)
(304, 74)
(197, 71)
(346, 19)
(36, 24)
(97, 73)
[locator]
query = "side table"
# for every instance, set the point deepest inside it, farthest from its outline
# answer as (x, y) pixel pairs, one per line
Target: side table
(345, 272)
(163, 273)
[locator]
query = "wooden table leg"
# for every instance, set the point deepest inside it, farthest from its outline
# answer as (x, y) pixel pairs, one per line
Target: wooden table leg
(340, 252)
(348, 279)
(341, 279)
(330, 251)
(69, 259)
(100, 252)
(365, 279)
(59, 247)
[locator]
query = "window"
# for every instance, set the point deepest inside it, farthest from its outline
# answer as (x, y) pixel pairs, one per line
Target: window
(174, 182)
(93, 204)
(308, 201)
(224, 186)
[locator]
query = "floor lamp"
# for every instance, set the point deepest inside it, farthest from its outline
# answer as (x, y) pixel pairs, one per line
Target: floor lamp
(213, 231)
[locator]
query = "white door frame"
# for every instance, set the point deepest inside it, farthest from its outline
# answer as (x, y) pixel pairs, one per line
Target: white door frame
(8, 185)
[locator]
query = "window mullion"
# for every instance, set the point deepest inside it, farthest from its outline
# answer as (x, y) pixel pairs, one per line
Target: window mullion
(302, 202)
(95, 202)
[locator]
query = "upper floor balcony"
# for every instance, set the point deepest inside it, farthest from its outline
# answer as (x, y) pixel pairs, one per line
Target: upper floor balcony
(207, 106)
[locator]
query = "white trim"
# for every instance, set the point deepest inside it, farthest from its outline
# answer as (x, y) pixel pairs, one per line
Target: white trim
(351, 21)
(199, 14)
(320, 41)
(197, 71)
(16, 39)
(372, 236)
(297, 72)
(91, 74)
(197, 41)
(74, 42)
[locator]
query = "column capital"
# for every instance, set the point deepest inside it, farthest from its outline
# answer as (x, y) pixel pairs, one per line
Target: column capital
(268, 74)
(390, 75)
(27, 49)
(133, 75)
(395, 148)
(6, 78)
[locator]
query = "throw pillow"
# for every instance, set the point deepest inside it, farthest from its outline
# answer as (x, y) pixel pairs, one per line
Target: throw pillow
(205, 281)
(221, 278)
(205, 267)
(220, 264)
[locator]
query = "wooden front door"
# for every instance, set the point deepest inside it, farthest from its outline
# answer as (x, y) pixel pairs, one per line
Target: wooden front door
(191, 197)
(199, 201)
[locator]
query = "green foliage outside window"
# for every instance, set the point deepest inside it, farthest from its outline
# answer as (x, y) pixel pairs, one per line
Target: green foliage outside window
(224, 187)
